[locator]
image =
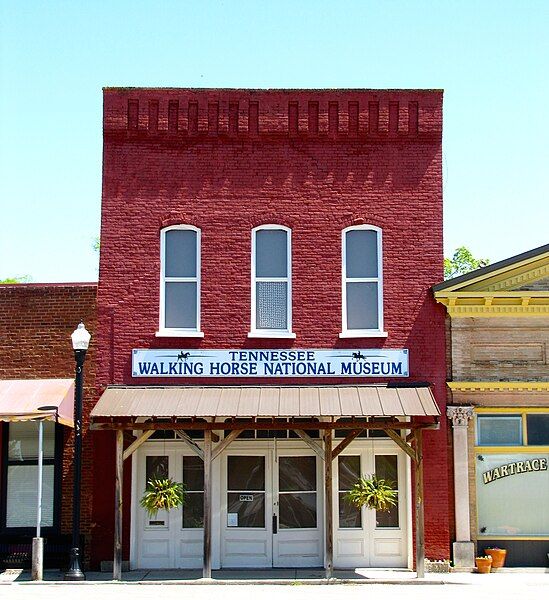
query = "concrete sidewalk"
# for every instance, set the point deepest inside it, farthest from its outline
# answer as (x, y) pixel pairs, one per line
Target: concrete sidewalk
(290, 577)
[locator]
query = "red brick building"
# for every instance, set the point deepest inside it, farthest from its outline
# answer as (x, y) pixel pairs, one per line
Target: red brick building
(243, 220)
(37, 366)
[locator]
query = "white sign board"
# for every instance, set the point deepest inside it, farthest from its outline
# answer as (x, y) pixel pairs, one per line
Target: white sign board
(232, 519)
(270, 363)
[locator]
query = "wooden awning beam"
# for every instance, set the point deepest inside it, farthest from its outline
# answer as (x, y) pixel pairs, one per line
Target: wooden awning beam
(402, 444)
(275, 425)
(190, 443)
(136, 443)
(345, 442)
(226, 441)
(314, 446)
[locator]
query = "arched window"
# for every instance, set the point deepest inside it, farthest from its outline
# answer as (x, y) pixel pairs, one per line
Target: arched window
(180, 281)
(362, 282)
(271, 282)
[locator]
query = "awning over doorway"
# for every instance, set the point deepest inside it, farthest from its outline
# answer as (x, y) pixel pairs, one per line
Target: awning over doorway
(300, 408)
(265, 401)
(20, 400)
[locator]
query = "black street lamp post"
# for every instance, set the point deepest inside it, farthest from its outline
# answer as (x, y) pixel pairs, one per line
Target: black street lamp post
(80, 342)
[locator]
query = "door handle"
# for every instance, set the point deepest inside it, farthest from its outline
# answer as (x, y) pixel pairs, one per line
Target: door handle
(275, 524)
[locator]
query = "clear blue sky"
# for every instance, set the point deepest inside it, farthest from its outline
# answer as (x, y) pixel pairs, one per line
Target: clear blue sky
(491, 57)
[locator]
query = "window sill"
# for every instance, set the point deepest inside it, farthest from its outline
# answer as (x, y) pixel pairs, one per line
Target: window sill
(363, 334)
(288, 335)
(179, 333)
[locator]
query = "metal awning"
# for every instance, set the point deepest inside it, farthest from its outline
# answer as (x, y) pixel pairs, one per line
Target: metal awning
(20, 400)
(265, 401)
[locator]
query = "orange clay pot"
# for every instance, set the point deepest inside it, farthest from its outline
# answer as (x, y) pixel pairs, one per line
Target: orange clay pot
(484, 564)
(498, 556)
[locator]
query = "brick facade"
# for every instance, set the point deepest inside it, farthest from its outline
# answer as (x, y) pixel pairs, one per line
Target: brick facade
(36, 321)
(315, 161)
(500, 349)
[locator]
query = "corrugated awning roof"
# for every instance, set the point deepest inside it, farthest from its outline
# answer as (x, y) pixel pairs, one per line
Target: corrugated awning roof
(20, 400)
(265, 401)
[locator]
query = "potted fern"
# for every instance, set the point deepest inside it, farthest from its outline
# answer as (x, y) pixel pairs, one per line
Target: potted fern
(374, 493)
(162, 494)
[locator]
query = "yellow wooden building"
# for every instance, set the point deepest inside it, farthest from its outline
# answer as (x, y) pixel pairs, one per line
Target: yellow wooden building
(498, 330)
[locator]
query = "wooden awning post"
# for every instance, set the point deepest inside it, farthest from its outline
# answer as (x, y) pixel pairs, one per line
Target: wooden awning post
(117, 562)
(420, 524)
(328, 504)
(207, 567)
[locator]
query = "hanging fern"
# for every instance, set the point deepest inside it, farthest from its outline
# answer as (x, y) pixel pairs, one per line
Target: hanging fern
(162, 494)
(374, 493)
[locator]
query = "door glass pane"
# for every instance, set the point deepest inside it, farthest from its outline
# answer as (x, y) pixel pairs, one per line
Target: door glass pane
(271, 253)
(348, 472)
(271, 305)
(180, 255)
(21, 495)
(297, 510)
(193, 473)
(297, 473)
(23, 440)
(361, 253)
(538, 429)
(193, 480)
(349, 515)
(156, 468)
(180, 304)
(499, 430)
(387, 468)
(297, 492)
(362, 309)
(246, 491)
(193, 510)
(246, 510)
(246, 473)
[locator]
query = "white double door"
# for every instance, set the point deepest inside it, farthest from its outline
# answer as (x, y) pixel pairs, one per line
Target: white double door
(271, 508)
(266, 508)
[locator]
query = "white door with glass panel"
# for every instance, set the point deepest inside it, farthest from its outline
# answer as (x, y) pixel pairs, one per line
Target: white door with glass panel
(246, 524)
(297, 511)
(365, 537)
(170, 539)
(271, 510)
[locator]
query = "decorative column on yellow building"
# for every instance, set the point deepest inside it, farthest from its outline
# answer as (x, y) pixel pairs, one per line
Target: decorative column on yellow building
(463, 547)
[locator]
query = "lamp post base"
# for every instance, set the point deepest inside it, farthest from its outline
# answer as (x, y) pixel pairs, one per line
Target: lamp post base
(75, 572)
(37, 559)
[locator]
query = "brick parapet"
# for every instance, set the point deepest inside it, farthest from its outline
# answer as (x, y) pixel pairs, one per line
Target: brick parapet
(189, 114)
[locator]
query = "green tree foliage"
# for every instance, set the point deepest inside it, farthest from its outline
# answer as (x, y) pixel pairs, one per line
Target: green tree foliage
(462, 262)
(22, 279)
(96, 244)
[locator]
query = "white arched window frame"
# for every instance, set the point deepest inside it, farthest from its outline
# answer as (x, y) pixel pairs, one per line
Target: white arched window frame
(370, 278)
(257, 330)
(168, 326)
